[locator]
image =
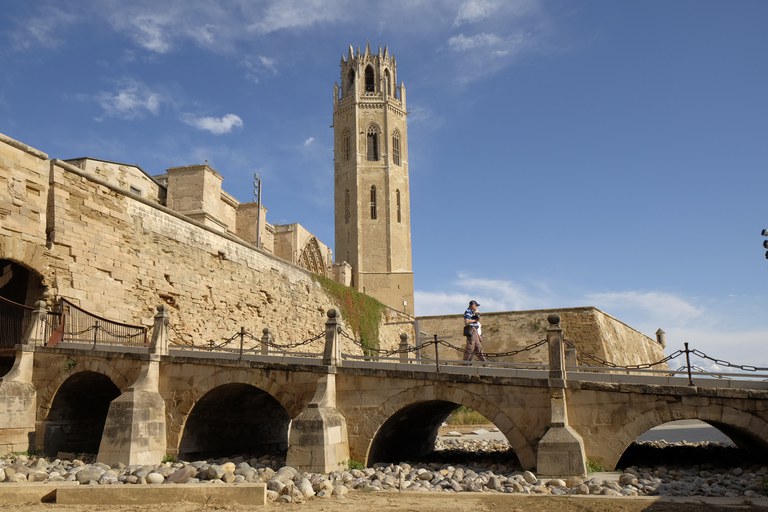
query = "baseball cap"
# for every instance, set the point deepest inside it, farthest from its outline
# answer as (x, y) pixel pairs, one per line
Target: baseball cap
(474, 302)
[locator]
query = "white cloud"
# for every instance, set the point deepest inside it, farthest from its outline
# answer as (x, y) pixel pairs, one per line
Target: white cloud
(463, 43)
(44, 29)
(475, 10)
(131, 100)
(655, 305)
(294, 14)
(215, 125)
(309, 141)
(258, 66)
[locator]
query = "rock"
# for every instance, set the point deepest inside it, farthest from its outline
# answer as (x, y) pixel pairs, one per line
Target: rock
(305, 488)
(530, 477)
(182, 475)
(88, 474)
(340, 491)
(155, 478)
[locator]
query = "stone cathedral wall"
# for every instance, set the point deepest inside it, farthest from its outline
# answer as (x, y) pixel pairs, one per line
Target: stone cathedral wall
(118, 255)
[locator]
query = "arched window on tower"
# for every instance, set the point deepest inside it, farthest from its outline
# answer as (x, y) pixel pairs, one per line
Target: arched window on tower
(399, 216)
(370, 84)
(373, 144)
(373, 202)
(346, 141)
(388, 82)
(350, 89)
(346, 206)
(396, 147)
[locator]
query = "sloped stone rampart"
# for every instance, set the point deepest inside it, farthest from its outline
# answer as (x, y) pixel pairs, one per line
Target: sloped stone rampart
(592, 331)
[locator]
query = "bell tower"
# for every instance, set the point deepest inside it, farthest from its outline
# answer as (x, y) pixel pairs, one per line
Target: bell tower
(371, 186)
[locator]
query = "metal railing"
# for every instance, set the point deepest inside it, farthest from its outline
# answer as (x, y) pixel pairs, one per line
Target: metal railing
(14, 320)
(76, 325)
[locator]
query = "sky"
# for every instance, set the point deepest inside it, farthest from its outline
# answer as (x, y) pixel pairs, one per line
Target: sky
(602, 153)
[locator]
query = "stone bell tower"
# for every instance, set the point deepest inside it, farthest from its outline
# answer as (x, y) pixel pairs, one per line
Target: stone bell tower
(371, 187)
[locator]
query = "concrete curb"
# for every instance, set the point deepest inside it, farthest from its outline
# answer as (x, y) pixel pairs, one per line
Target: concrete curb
(72, 494)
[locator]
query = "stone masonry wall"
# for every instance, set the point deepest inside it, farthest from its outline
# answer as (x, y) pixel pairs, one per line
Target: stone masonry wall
(119, 256)
(593, 332)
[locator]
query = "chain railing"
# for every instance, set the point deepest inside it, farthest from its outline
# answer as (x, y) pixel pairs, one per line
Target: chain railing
(237, 343)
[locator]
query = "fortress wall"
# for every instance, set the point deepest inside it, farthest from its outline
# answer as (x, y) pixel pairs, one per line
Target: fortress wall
(120, 257)
(23, 192)
(591, 330)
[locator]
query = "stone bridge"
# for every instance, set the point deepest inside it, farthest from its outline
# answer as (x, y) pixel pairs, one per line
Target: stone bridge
(137, 406)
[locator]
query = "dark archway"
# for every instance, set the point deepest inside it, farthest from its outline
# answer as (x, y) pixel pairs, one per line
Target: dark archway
(20, 287)
(235, 419)
(690, 442)
(76, 420)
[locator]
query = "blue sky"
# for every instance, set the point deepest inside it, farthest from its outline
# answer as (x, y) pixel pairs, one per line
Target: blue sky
(608, 154)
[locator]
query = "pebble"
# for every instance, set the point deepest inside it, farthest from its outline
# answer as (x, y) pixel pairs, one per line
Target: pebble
(286, 484)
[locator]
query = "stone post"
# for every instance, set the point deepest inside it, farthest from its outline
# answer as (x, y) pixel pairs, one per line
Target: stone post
(571, 358)
(35, 333)
(159, 343)
(332, 352)
(661, 338)
(134, 432)
(318, 441)
(266, 339)
(404, 354)
(561, 449)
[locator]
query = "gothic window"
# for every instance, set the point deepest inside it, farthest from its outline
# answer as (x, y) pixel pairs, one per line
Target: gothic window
(370, 85)
(388, 82)
(347, 145)
(346, 206)
(399, 216)
(396, 147)
(373, 144)
(373, 202)
(350, 82)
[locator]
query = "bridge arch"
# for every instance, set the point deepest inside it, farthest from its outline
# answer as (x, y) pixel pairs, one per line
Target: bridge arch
(60, 368)
(407, 423)
(75, 420)
(745, 429)
(258, 404)
(234, 419)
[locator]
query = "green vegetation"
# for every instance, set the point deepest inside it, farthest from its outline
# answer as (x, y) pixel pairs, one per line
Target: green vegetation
(466, 416)
(168, 458)
(361, 312)
(69, 364)
(353, 464)
(594, 467)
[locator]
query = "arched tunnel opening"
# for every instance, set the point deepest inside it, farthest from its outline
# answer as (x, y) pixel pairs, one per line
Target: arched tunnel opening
(693, 442)
(76, 420)
(411, 435)
(19, 287)
(232, 420)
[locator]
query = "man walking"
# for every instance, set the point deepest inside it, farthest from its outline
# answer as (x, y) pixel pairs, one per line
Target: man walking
(472, 332)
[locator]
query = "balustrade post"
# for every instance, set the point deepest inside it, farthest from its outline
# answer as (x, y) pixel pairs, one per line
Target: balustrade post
(266, 340)
(332, 351)
(242, 337)
(35, 334)
(403, 347)
(159, 343)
